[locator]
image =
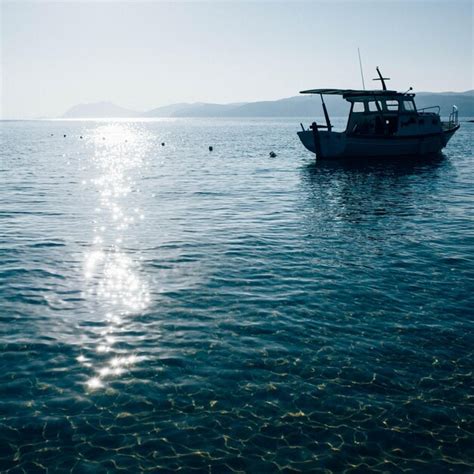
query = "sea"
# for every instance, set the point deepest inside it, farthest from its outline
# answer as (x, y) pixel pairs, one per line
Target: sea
(165, 307)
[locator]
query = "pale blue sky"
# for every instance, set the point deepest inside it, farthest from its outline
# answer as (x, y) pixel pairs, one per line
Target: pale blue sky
(142, 55)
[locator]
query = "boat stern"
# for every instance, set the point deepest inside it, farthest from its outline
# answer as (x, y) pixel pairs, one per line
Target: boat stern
(331, 144)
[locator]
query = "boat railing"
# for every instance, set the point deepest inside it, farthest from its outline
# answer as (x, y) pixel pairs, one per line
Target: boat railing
(453, 117)
(317, 126)
(432, 107)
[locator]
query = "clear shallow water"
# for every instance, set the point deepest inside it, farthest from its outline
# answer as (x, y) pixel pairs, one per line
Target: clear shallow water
(168, 308)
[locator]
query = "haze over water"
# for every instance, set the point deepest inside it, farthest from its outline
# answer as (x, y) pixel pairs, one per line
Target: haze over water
(169, 308)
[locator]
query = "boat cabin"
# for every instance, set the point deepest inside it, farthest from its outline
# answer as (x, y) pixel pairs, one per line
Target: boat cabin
(381, 123)
(381, 113)
(387, 114)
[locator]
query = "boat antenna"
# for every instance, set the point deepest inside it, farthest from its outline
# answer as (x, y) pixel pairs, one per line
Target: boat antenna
(382, 79)
(410, 89)
(361, 70)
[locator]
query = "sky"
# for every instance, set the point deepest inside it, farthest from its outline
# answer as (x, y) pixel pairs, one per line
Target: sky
(141, 55)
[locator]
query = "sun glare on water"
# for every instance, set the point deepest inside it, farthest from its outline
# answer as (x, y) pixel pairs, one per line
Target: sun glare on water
(112, 274)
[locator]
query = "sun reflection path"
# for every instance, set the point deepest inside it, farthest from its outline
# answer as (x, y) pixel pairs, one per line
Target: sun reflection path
(111, 273)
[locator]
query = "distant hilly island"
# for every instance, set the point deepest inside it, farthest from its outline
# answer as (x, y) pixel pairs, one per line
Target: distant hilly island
(299, 106)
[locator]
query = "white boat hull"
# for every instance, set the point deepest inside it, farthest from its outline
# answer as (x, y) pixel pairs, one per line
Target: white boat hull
(340, 145)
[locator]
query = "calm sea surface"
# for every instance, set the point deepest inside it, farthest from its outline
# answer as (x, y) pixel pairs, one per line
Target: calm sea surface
(168, 308)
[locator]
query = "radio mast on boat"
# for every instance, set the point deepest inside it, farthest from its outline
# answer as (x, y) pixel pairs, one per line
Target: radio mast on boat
(382, 79)
(361, 70)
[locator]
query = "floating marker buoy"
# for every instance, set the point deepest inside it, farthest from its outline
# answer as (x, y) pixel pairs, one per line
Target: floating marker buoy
(64, 136)
(210, 148)
(52, 134)
(80, 137)
(272, 154)
(162, 143)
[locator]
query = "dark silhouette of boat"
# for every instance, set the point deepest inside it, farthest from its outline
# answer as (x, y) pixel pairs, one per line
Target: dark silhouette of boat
(381, 123)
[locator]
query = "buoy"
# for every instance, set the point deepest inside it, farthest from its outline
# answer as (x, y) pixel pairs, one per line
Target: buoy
(80, 137)
(52, 134)
(210, 148)
(162, 143)
(64, 136)
(272, 154)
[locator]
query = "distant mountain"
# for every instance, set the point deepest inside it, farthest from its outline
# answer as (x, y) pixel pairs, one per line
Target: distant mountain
(310, 105)
(470, 92)
(206, 110)
(198, 109)
(166, 111)
(464, 101)
(299, 106)
(99, 110)
(303, 106)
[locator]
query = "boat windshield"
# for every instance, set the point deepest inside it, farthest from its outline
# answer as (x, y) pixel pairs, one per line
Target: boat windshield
(383, 105)
(392, 105)
(409, 106)
(373, 106)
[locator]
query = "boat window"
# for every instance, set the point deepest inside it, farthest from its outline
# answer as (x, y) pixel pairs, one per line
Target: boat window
(358, 107)
(392, 104)
(373, 106)
(409, 105)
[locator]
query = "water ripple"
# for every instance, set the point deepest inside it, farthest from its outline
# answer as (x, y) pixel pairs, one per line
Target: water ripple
(170, 309)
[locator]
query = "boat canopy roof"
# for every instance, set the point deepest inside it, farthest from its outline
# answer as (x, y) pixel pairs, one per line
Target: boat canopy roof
(347, 93)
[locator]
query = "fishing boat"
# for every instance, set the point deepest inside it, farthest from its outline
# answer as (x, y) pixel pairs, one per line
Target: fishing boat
(381, 123)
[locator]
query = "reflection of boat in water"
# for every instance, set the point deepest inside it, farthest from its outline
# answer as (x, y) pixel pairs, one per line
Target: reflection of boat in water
(381, 123)
(392, 187)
